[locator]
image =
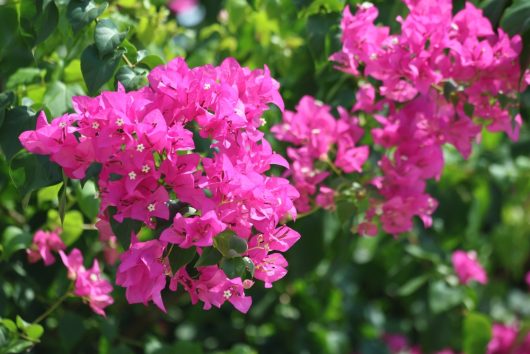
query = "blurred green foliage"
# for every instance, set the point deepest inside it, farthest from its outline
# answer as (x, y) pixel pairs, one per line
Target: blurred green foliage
(342, 291)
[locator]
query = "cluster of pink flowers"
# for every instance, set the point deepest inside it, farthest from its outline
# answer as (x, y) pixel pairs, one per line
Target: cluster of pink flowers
(438, 82)
(191, 138)
(507, 339)
(88, 283)
(44, 243)
(315, 134)
(468, 268)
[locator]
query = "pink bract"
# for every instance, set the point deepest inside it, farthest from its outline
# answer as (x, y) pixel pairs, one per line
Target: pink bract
(44, 243)
(468, 268)
(184, 156)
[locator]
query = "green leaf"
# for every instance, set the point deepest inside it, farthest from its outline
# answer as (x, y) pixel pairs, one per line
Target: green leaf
(46, 22)
(24, 76)
(442, 297)
(249, 265)
(13, 240)
(209, 256)
(179, 257)
(49, 194)
(21, 324)
(412, 285)
(18, 346)
(515, 16)
(493, 10)
(229, 244)
(58, 97)
(7, 99)
(107, 37)
(72, 226)
(16, 121)
(477, 333)
(31, 172)
(34, 331)
(130, 51)
(233, 267)
(132, 79)
(9, 324)
(97, 71)
(82, 12)
(86, 197)
(524, 58)
(321, 30)
(124, 229)
(151, 61)
(14, 51)
(62, 199)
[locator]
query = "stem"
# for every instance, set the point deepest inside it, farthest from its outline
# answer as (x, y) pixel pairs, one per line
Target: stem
(129, 64)
(333, 167)
(312, 211)
(53, 307)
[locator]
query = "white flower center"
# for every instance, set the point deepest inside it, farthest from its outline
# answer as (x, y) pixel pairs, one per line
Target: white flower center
(151, 207)
(140, 147)
(145, 168)
(206, 86)
(119, 122)
(132, 175)
(227, 294)
(95, 125)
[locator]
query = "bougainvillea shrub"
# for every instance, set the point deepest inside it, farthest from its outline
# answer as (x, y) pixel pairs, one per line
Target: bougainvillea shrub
(163, 158)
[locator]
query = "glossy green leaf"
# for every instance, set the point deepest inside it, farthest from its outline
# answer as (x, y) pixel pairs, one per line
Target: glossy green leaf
(34, 331)
(123, 230)
(31, 172)
(97, 71)
(82, 12)
(14, 239)
(72, 227)
(179, 257)
(233, 267)
(107, 37)
(132, 79)
(24, 76)
(515, 16)
(16, 121)
(209, 256)
(477, 333)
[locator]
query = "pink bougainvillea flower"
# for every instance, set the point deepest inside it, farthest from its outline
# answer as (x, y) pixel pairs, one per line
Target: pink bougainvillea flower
(142, 272)
(44, 243)
(410, 73)
(185, 157)
(468, 268)
(502, 340)
(88, 283)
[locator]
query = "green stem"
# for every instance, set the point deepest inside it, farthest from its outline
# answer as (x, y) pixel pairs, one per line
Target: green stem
(52, 307)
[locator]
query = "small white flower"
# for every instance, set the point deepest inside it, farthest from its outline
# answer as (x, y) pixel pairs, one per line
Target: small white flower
(206, 86)
(140, 147)
(151, 207)
(132, 175)
(119, 122)
(62, 125)
(95, 125)
(227, 294)
(145, 168)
